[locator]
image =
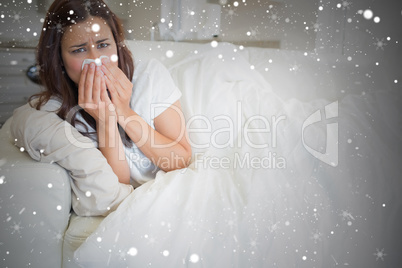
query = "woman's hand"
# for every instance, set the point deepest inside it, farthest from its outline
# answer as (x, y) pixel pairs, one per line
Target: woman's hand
(93, 98)
(92, 94)
(119, 86)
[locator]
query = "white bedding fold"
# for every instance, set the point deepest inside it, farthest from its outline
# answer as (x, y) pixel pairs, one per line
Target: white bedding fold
(305, 214)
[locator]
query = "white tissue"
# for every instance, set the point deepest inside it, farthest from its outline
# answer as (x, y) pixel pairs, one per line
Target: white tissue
(97, 61)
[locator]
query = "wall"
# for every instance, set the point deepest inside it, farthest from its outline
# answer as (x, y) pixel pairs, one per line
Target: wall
(252, 22)
(283, 21)
(296, 24)
(137, 16)
(20, 22)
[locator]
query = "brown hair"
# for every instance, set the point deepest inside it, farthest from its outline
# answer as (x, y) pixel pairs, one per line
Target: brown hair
(53, 77)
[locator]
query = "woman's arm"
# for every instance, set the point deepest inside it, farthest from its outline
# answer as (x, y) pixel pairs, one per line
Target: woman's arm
(112, 148)
(167, 145)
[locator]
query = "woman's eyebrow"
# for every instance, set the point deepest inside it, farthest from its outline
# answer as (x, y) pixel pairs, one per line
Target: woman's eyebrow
(84, 44)
(80, 45)
(102, 40)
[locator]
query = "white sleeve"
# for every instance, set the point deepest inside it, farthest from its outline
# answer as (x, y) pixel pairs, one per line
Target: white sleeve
(165, 91)
(154, 89)
(47, 138)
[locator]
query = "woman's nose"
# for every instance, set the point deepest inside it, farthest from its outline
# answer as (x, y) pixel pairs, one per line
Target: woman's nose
(93, 53)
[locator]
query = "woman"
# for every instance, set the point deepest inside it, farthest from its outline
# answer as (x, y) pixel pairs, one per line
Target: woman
(130, 115)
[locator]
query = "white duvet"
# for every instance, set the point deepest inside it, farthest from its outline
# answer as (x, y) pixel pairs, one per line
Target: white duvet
(241, 206)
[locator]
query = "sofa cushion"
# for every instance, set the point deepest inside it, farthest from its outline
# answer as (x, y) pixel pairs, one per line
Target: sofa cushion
(35, 204)
(78, 231)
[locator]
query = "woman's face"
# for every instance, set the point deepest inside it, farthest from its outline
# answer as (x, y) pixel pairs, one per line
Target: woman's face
(89, 39)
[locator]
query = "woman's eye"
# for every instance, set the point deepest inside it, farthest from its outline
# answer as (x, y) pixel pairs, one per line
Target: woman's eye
(81, 49)
(103, 45)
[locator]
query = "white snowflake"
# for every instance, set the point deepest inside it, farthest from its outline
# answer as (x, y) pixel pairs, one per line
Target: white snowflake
(379, 254)
(253, 243)
(16, 228)
(230, 13)
(274, 227)
(295, 68)
(346, 4)
(59, 27)
(58, 237)
(122, 255)
(253, 33)
(274, 17)
(17, 17)
(347, 215)
(380, 44)
(316, 26)
(151, 240)
(190, 12)
(231, 223)
(132, 251)
(316, 236)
